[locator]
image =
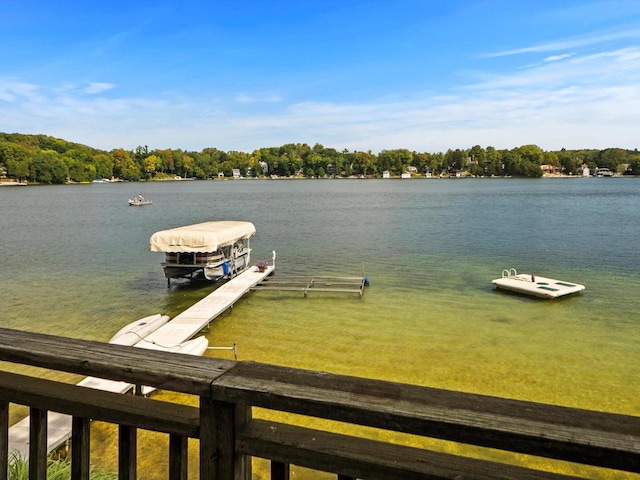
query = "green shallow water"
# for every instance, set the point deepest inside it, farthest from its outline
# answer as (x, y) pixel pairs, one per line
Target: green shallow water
(76, 263)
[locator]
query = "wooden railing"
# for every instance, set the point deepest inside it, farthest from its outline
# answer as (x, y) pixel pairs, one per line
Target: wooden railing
(229, 436)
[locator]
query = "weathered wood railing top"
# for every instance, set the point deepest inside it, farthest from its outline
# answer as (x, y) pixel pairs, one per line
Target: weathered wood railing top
(582, 436)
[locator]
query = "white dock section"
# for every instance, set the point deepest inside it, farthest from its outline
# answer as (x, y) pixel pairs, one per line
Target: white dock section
(535, 285)
(200, 315)
(168, 337)
(58, 432)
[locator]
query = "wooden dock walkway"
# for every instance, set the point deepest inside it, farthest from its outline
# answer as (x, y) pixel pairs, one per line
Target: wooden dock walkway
(167, 338)
(306, 284)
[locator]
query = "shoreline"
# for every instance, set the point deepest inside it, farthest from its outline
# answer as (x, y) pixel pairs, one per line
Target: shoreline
(413, 177)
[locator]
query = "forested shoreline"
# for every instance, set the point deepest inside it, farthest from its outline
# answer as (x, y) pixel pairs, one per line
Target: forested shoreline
(49, 160)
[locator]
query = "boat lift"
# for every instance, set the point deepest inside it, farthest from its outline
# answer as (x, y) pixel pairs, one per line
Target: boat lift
(306, 284)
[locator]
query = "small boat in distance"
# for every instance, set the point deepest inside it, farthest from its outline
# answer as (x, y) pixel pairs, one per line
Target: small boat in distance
(603, 173)
(9, 183)
(530, 284)
(215, 250)
(139, 201)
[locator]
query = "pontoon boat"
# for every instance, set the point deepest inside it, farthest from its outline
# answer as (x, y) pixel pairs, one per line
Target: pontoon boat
(214, 250)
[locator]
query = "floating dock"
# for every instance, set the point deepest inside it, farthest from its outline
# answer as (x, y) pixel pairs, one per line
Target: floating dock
(171, 336)
(314, 284)
(529, 284)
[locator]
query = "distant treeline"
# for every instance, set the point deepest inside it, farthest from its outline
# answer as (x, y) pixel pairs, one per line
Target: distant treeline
(44, 159)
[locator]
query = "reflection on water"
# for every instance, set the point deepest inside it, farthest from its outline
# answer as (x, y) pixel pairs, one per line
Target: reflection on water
(76, 262)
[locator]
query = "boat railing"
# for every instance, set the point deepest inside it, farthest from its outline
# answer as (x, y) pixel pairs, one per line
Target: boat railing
(408, 421)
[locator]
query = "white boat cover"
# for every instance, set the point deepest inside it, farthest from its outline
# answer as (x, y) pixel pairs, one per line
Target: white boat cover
(201, 237)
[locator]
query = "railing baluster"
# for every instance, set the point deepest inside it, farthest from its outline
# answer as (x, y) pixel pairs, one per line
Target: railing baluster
(280, 471)
(178, 457)
(37, 444)
(208, 447)
(218, 424)
(80, 452)
(243, 415)
(4, 439)
(127, 452)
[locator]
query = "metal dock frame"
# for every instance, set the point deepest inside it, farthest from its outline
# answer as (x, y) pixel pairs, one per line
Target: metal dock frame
(306, 284)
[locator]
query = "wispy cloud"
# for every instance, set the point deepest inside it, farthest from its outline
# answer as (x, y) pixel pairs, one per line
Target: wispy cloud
(97, 87)
(247, 98)
(13, 91)
(569, 43)
(602, 68)
(556, 58)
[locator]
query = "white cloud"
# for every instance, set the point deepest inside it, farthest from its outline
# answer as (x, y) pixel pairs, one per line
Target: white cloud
(555, 58)
(246, 98)
(14, 91)
(98, 87)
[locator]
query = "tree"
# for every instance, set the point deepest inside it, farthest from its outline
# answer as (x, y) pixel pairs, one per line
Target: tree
(477, 156)
(364, 163)
(151, 164)
(567, 162)
(188, 164)
(493, 163)
(78, 170)
(396, 161)
(48, 167)
(17, 159)
(511, 161)
(129, 169)
(455, 160)
(634, 165)
(611, 158)
(166, 163)
(122, 161)
(531, 154)
(104, 165)
(57, 157)
(315, 165)
(437, 162)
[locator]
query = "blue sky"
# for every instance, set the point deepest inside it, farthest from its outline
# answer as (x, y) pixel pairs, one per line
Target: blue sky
(361, 75)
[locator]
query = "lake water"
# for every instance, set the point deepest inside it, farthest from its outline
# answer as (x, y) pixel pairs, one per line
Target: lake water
(75, 262)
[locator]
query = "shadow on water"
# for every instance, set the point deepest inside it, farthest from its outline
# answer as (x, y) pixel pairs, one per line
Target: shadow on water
(146, 283)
